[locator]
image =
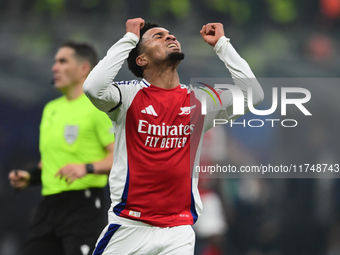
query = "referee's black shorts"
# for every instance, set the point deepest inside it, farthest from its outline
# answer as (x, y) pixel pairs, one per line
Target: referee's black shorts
(68, 223)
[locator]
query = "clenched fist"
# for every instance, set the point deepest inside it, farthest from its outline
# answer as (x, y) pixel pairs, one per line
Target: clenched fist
(212, 32)
(134, 25)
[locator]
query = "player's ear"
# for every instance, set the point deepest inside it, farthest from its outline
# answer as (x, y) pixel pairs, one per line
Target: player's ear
(141, 60)
(85, 68)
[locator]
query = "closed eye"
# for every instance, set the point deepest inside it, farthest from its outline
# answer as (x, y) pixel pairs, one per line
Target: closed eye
(158, 35)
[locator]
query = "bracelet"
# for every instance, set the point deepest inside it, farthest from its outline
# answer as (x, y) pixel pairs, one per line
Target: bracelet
(89, 168)
(35, 176)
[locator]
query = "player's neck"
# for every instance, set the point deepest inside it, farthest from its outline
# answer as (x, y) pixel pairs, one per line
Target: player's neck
(166, 78)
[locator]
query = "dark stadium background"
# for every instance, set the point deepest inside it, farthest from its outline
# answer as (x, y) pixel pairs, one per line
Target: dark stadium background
(279, 39)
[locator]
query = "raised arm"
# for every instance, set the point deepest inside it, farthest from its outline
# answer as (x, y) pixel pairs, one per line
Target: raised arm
(243, 77)
(98, 85)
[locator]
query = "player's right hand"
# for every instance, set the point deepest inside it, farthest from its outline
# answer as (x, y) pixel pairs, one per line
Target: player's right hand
(134, 25)
(19, 179)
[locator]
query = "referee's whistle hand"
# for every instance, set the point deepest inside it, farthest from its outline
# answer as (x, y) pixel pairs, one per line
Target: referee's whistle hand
(19, 179)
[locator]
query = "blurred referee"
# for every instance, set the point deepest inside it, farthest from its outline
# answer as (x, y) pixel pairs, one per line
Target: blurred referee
(76, 147)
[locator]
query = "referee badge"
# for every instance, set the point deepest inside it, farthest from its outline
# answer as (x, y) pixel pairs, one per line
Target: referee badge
(71, 133)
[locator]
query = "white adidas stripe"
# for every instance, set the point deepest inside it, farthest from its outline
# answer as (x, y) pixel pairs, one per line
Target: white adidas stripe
(153, 112)
(150, 110)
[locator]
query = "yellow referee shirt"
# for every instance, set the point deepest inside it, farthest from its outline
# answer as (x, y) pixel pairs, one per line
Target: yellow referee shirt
(72, 132)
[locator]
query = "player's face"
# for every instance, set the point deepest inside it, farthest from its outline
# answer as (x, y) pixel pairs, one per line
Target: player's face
(65, 69)
(158, 44)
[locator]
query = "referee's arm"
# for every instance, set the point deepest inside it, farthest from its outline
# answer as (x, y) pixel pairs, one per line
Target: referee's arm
(71, 172)
(20, 179)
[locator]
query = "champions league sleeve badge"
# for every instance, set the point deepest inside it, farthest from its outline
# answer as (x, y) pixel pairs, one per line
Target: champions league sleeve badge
(71, 133)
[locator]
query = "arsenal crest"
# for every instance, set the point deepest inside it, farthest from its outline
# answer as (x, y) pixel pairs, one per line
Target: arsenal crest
(71, 133)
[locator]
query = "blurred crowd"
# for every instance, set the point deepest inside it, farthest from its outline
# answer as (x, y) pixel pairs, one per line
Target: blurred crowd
(279, 39)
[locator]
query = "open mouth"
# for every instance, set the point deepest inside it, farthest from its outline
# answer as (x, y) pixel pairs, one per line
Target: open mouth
(172, 45)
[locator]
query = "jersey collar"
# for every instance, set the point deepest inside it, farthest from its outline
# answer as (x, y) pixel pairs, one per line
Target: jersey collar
(145, 83)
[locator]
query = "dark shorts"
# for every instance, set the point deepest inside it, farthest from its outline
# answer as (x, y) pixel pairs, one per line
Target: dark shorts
(68, 223)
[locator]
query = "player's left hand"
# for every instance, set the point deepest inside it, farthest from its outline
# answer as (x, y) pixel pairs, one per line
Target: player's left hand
(72, 172)
(212, 32)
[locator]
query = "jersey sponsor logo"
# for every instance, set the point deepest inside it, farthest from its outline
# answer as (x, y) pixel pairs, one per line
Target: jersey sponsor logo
(186, 110)
(164, 130)
(134, 214)
(158, 135)
(71, 133)
(149, 110)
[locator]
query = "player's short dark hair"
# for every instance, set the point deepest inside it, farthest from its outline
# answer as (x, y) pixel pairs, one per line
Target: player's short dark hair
(134, 68)
(83, 51)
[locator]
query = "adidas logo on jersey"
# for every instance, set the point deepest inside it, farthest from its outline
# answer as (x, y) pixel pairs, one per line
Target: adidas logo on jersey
(149, 110)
